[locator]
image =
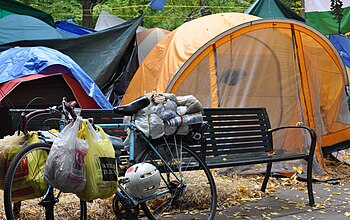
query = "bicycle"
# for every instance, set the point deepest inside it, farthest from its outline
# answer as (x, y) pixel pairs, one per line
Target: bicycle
(40, 204)
(179, 169)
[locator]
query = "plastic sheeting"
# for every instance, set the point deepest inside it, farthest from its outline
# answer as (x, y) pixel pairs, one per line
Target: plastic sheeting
(70, 27)
(23, 61)
(105, 20)
(342, 43)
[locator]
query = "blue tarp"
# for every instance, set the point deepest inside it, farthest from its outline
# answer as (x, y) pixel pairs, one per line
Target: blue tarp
(157, 4)
(70, 27)
(23, 61)
(342, 43)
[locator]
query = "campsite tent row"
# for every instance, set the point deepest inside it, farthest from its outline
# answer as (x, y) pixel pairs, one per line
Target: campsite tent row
(107, 56)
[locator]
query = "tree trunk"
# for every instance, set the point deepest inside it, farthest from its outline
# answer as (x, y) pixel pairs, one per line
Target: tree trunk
(87, 13)
(303, 8)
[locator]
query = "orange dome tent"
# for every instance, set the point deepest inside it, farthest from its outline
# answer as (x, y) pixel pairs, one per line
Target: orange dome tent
(281, 64)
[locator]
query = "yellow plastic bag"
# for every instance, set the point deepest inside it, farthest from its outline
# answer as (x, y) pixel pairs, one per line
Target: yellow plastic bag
(101, 171)
(6, 143)
(29, 181)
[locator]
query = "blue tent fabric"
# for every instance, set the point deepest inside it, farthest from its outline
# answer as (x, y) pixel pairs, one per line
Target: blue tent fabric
(70, 27)
(342, 43)
(17, 27)
(22, 61)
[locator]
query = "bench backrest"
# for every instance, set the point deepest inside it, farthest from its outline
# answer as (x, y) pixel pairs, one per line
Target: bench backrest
(41, 122)
(104, 116)
(51, 121)
(231, 130)
(236, 130)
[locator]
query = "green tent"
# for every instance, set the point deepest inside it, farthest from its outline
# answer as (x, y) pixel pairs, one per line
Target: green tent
(272, 9)
(16, 27)
(8, 7)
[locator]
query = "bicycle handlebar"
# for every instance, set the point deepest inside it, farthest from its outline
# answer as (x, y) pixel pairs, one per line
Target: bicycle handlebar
(67, 109)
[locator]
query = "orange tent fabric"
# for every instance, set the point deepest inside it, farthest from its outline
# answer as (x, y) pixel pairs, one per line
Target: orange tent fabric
(175, 48)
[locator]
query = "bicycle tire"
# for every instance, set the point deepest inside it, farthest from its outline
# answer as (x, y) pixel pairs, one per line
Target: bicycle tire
(30, 207)
(195, 177)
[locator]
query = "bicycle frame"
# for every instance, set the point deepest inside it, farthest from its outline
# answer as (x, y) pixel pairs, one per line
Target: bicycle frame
(133, 130)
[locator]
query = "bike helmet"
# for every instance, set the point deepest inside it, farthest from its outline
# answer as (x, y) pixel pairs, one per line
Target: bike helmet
(143, 180)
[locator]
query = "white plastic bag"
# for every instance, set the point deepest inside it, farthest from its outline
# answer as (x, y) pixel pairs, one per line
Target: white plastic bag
(149, 123)
(192, 104)
(65, 166)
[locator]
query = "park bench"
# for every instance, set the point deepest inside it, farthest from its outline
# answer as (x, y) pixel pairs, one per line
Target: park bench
(243, 136)
(235, 137)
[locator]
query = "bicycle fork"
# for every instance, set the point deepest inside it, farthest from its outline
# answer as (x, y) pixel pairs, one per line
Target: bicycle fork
(48, 202)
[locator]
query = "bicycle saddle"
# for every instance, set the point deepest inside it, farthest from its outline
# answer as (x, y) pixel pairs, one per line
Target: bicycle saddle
(132, 107)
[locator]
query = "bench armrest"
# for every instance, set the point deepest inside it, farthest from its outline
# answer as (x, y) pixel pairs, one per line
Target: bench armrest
(311, 132)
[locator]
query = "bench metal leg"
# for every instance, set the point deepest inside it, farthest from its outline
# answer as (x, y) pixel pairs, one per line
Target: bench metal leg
(309, 183)
(267, 175)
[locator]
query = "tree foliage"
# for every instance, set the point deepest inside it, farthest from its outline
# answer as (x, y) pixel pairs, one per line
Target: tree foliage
(175, 12)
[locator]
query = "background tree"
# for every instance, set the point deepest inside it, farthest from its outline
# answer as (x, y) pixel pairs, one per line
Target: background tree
(175, 12)
(337, 11)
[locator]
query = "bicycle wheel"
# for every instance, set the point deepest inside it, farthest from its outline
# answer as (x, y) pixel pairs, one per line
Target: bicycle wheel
(193, 187)
(27, 196)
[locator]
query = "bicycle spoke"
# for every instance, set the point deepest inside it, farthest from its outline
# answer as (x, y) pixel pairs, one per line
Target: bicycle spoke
(182, 184)
(30, 189)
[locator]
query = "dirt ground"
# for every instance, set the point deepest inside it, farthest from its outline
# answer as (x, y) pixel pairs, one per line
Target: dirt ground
(233, 190)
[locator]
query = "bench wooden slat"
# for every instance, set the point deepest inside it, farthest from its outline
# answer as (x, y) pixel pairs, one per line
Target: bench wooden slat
(237, 123)
(218, 151)
(237, 128)
(245, 139)
(227, 134)
(221, 161)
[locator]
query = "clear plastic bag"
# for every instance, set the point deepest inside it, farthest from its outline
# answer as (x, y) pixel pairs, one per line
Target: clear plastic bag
(65, 166)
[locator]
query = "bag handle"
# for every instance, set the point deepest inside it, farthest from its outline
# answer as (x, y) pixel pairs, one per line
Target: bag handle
(87, 131)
